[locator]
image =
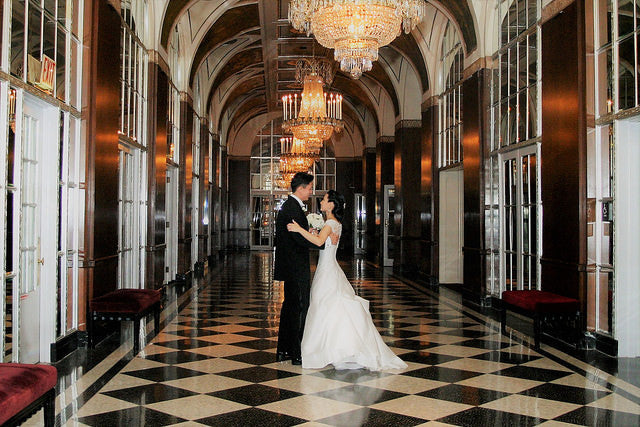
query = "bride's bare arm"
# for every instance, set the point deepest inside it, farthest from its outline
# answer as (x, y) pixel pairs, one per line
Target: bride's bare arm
(317, 240)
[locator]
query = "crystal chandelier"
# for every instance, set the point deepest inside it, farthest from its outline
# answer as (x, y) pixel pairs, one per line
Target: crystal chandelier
(356, 29)
(283, 180)
(314, 115)
(294, 156)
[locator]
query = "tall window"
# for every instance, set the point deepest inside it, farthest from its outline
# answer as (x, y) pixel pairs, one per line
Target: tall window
(133, 141)
(512, 197)
(450, 104)
(53, 29)
(265, 163)
(134, 60)
(626, 50)
(195, 189)
(616, 68)
(42, 33)
(515, 92)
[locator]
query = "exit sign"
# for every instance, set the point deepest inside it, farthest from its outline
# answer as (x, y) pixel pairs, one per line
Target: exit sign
(47, 73)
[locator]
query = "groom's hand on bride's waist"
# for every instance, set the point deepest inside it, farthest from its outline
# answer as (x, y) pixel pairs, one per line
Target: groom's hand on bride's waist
(334, 238)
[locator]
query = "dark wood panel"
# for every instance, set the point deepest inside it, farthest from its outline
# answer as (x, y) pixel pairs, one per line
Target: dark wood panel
(239, 204)
(203, 229)
(160, 150)
(105, 146)
(158, 110)
(215, 195)
(407, 178)
(224, 196)
(473, 160)
(369, 189)
(563, 159)
(188, 169)
(348, 183)
(185, 188)
(428, 197)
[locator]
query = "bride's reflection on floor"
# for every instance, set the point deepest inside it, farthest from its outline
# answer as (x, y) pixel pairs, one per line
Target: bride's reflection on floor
(354, 392)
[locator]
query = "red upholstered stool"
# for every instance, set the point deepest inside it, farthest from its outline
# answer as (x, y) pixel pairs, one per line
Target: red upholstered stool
(540, 306)
(126, 304)
(24, 389)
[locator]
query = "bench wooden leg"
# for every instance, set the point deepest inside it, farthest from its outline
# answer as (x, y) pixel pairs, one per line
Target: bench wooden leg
(577, 328)
(536, 331)
(503, 320)
(136, 336)
(156, 320)
(50, 409)
(90, 330)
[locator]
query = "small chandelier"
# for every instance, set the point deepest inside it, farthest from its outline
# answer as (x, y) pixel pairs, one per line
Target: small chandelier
(294, 156)
(314, 115)
(283, 180)
(356, 29)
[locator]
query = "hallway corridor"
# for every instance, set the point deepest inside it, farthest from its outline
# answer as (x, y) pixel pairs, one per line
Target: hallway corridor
(214, 364)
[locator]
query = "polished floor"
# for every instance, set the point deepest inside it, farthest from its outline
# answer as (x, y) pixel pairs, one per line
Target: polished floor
(214, 364)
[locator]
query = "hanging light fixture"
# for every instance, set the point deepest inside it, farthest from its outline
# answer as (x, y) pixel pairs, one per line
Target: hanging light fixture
(356, 29)
(314, 115)
(294, 156)
(283, 180)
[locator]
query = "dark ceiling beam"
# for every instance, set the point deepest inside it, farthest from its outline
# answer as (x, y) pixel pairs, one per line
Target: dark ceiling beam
(268, 18)
(460, 11)
(408, 47)
(171, 14)
(245, 109)
(240, 61)
(252, 86)
(356, 95)
(247, 75)
(232, 23)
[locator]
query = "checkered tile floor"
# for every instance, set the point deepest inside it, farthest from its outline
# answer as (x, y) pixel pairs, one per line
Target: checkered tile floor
(214, 364)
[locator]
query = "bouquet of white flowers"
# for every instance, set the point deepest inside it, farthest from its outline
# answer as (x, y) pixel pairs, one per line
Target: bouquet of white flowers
(315, 221)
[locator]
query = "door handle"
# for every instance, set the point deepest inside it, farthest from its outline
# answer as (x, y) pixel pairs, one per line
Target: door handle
(41, 261)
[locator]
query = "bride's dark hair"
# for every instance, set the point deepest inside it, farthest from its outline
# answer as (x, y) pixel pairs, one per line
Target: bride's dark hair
(338, 204)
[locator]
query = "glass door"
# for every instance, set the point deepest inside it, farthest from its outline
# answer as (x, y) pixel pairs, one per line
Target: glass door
(33, 246)
(388, 233)
(262, 221)
(171, 255)
(126, 204)
(520, 205)
(360, 224)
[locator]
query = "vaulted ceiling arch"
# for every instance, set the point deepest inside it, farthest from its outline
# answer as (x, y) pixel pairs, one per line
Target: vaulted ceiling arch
(244, 52)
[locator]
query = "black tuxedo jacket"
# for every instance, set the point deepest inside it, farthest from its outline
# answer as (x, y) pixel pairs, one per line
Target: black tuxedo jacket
(292, 250)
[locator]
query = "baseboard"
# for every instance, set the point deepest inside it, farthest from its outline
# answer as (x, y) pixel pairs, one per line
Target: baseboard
(68, 344)
(607, 345)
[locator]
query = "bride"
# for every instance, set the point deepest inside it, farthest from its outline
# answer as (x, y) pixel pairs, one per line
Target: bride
(339, 329)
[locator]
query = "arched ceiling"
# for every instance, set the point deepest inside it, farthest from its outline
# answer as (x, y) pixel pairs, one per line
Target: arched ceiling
(225, 39)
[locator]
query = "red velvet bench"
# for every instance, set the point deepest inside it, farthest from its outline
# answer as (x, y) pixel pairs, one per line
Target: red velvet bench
(126, 304)
(540, 306)
(24, 389)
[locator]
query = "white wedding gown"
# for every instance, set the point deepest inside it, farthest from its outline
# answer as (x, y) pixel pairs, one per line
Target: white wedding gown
(339, 329)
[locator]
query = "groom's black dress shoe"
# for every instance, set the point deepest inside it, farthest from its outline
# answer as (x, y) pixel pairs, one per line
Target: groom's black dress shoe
(281, 356)
(296, 361)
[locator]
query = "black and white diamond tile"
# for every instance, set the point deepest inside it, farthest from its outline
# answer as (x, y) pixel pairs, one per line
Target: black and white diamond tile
(214, 364)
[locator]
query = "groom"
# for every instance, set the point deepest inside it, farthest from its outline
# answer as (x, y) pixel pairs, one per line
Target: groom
(292, 266)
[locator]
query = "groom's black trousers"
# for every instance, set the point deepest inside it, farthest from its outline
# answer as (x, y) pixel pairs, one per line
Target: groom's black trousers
(293, 315)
